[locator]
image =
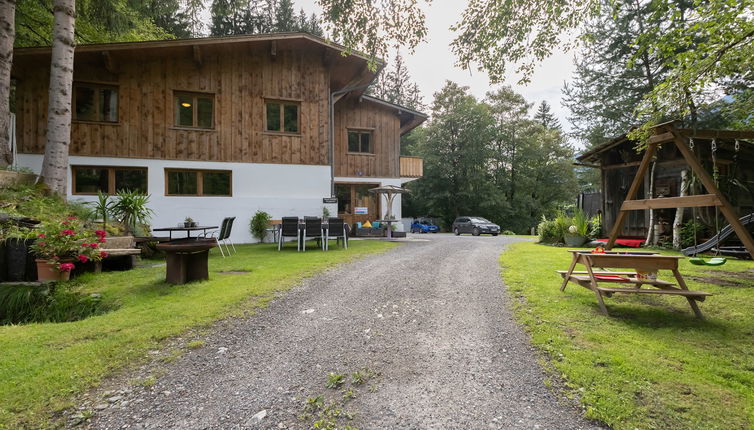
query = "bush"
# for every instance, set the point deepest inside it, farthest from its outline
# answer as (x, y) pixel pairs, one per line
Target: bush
(47, 303)
(509, 233)
(549, 231)
(259, 224)
(692, 232)
(595, 228)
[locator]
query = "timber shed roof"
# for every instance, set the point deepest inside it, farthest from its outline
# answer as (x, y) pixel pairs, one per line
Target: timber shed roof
(410, 119)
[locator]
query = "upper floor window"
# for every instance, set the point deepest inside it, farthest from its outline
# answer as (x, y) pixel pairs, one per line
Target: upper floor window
(108, 180)
(93, 102)
(194, 110)
(282, 116)
(360, 141)
(185, 182)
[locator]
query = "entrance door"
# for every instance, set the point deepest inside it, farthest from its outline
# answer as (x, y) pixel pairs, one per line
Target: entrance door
(356, 203)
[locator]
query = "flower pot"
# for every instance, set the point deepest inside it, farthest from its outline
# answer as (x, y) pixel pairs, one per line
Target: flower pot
(47, 271)
(574, 239)
(19, 261)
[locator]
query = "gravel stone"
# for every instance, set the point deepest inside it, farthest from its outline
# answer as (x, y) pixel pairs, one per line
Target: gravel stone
(431, 317)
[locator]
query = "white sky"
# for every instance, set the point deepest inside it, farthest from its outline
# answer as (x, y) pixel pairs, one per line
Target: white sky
(433, 63)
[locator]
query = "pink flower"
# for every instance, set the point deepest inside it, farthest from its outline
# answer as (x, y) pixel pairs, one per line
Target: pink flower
(103, 254)
(83, 258)
(41, 235)
(101, 240)
(71, 218)
(85, 244)
(94, 245)
(67, 232)
(100, 233)
(66, 267)
(42, 244)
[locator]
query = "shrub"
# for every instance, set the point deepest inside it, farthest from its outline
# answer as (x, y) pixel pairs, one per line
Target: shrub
(549, 231)
(47, 302)
(508, 233)
(581, 222)
(692, 232)
(259, 224)
(131, 210)
(595, 228)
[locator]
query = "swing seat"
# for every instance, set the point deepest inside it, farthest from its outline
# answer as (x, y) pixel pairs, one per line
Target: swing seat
(717, 261)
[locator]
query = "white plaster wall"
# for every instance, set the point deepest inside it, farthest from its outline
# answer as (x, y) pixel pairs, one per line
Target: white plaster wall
(278, 189)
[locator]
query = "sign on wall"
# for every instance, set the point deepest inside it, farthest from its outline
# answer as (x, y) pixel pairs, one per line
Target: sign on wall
(361, 210)
(331, 200)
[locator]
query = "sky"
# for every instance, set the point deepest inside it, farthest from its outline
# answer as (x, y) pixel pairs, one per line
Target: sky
(432, 63)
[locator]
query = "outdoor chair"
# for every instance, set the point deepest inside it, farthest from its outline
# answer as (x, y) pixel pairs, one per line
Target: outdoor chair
(336, 229)
(289, 228)
(313, 230)
(222, 236)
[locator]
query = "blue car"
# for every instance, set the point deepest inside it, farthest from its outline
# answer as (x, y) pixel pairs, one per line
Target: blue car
(424, 226)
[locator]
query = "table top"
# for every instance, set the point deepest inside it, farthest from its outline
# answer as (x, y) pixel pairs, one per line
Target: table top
(199, 227)
(617, 255)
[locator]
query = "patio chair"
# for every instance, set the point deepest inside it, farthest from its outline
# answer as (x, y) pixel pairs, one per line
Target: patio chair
(313, 230)
(289, 228)
(336, 228)
(222, 235)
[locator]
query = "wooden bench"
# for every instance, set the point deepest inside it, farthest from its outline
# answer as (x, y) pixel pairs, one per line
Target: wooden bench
(119, 247)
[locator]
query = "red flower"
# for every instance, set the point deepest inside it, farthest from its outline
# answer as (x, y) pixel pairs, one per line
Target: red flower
(103, 254)
(42, 244)
(83, 258)
(41, 235)
(67, 233)
(100, 233)
(101, 240)
(66, 267)
(85, 244)
(94, 245)
(71, 218)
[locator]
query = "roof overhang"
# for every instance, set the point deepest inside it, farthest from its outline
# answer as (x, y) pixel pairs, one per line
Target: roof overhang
(410, 119)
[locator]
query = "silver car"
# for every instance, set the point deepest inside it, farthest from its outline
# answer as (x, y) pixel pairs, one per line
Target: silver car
(475, 225)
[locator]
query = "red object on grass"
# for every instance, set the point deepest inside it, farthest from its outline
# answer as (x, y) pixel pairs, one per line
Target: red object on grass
(611, 278)
(631, 243)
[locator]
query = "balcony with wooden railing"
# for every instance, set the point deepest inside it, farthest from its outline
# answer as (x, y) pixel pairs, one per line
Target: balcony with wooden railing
(412, 167)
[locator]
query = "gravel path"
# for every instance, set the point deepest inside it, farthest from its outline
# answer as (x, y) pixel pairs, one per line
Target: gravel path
(429, 321)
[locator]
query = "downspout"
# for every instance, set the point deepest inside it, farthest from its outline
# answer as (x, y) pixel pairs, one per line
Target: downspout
(332, 131)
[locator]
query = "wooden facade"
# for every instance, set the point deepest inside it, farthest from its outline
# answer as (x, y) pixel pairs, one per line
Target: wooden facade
(240, 74)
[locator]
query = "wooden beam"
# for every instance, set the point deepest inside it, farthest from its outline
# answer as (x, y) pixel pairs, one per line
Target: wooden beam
(110, 64)
(725, 207)
(638, 181)
(711, 134)
(700, 200)
(274, 48)
(197, 55)
(660, 138)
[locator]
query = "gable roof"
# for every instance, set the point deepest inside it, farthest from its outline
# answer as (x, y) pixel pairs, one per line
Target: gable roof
(348, 70)
(410, 119)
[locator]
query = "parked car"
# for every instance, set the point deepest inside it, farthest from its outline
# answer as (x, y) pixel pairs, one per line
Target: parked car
(475, 225)
(424, 226)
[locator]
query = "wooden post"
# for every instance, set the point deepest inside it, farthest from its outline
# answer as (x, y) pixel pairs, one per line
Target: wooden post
(725, 207)
(638, 181)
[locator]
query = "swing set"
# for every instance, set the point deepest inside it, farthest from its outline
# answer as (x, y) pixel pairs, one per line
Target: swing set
(683, 139)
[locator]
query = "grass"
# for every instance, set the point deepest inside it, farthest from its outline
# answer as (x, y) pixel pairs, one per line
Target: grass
(44, 366)
(651, 365)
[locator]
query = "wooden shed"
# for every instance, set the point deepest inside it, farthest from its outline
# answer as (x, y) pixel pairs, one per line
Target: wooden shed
(727, 155)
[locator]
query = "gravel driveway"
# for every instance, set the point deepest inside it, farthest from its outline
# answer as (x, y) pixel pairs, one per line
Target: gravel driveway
(427, 326)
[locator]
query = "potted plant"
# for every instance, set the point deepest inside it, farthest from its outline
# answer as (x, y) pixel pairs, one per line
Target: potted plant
(60, 245)
(189, 222)
(576, 233)
(259, 224)
(131, 210)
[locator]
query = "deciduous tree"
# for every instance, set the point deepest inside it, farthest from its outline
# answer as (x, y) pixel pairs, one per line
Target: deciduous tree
(7, 36)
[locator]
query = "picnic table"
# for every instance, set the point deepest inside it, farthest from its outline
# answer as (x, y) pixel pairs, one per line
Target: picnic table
(188, 230)
(628, 281)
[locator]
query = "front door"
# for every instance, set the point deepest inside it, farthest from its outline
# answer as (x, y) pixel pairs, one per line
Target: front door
(356, 203)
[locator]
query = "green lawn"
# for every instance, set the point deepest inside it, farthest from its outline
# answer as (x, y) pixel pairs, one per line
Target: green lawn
(651, 365)
(44, 366)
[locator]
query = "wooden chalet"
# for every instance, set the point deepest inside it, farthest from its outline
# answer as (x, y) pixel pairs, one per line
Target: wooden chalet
(225, 126)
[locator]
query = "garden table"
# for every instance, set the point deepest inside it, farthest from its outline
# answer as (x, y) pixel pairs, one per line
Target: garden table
(647, 262)
(188, 230)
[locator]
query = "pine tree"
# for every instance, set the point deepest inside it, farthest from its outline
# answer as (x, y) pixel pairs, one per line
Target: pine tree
(285, 17)
(396, 86)
(545, 117)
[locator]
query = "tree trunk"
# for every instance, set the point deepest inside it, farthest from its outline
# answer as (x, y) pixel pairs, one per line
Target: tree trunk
(55, 163)
(651, 227)
(7, 36)
(678, 221)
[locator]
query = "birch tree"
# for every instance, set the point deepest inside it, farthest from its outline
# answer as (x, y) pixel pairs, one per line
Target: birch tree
(55, 163)
(7, 36)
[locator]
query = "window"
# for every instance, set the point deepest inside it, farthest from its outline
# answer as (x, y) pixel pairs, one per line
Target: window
(194, 110)
(108, 180)
(95, 103)
(360, 141)
(182, 182)
(282, 116)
